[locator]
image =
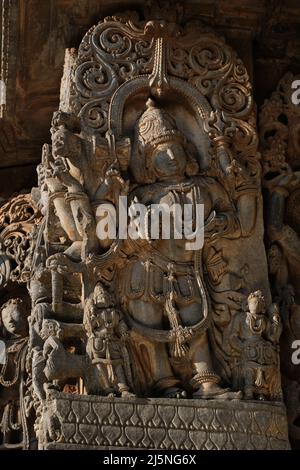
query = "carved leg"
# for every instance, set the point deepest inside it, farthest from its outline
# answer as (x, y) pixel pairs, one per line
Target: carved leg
(153, 355)
(65, 216)
(206, 382)
(84, 220)
(122, 386)
(38, 376)
(249, 384)
(60, 364)
(96, 381)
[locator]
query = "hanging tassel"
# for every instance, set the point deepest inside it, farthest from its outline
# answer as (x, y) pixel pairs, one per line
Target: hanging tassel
(177, 348)
(110, 370)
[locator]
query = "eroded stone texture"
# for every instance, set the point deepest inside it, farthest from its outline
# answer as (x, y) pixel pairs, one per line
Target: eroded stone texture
(155, 110)
(103, 423)
(279, 124)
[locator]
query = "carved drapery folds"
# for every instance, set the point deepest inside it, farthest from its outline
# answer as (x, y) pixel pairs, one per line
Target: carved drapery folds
(279, 127)
(158, 113)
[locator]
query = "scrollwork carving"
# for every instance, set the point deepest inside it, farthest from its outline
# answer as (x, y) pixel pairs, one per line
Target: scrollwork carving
(19, 218)
(157, 114)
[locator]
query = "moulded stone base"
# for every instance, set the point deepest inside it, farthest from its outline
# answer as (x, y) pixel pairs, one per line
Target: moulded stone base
(92, 422)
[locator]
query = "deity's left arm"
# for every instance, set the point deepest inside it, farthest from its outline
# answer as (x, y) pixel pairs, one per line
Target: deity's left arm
(246, 206)
(226, 218)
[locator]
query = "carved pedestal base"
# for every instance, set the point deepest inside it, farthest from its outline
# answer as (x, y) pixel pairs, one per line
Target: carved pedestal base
(90, 422)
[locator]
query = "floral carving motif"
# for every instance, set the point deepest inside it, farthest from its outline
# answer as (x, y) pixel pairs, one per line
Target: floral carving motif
(19, 218)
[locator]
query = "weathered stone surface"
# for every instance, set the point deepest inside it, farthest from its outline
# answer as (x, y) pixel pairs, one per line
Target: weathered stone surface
(36, 33)
(104, 423)
(156, 109)
(279, 128)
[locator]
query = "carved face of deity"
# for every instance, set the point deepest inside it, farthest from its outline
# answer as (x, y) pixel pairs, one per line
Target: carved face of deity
(101, 297)
(169, 160)
(64, 142)
(14, 320)
(256, 304)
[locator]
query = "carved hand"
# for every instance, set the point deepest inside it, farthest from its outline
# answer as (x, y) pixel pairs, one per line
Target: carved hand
(115, 180)
(215, 224)
(61, 171)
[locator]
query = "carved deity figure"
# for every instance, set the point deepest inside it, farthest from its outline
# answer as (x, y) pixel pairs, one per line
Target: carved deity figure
(12, 373)
(106, 332)
(161, 289)
(256, 336)
(62, 191)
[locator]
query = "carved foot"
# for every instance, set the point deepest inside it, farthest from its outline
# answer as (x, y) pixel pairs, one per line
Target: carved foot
(127, 394)
(48, 387)
(174, 392)
(214, 391)
(74, 251)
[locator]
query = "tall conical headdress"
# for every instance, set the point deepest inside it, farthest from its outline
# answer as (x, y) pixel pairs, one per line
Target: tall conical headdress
(156, 126)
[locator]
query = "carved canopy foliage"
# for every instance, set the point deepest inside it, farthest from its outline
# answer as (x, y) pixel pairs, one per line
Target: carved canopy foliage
(122, 55)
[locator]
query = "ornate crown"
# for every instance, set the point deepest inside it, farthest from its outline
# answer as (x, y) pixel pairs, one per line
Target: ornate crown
(156, 126)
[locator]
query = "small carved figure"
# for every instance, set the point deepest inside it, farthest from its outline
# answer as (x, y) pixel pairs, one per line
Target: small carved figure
(12, 374)
(107, 333)
(256, 339)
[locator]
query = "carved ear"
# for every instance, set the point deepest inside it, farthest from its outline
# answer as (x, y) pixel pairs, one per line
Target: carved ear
(123, 149)
(192, 167)
(139, 169)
